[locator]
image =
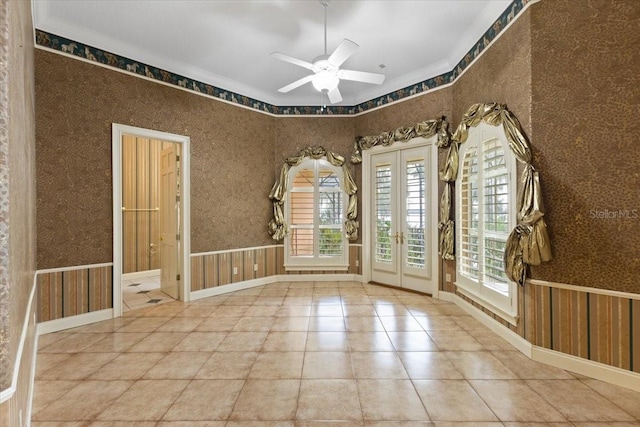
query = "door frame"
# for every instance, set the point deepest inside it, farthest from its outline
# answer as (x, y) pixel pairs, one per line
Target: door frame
(118, 130)
(430, 145)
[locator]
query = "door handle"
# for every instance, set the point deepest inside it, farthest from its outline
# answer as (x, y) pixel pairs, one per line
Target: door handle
(401, 238)
(396, 236)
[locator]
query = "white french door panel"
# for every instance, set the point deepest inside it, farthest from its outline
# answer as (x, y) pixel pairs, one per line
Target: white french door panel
(414, 214)
(401, 212)
(384, 219)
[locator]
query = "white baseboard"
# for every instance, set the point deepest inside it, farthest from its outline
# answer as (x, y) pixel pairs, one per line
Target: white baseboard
(319, 278)
(8, 393)
(578, 365)
(74, 321)
(141, 274)
(589, 368)
(219, 290)
(511, 337)
(232, 287)
(32, 374)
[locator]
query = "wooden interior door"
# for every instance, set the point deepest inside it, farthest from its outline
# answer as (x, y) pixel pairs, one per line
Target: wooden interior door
(169, 230)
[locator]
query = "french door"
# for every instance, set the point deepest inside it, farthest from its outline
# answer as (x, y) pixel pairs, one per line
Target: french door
(401, 226)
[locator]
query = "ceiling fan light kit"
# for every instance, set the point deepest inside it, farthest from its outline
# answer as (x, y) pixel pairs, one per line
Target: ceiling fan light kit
(326, 68)
(325, 81)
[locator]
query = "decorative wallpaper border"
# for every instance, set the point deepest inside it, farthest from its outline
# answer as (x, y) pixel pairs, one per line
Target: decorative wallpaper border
(509, 14)
(90, 53)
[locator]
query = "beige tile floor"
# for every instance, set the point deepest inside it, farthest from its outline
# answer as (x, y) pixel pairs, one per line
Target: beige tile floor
(309, 354)
(142, 293)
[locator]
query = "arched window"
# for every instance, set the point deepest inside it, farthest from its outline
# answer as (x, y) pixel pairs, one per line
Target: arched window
(485, 215)
(315, 211)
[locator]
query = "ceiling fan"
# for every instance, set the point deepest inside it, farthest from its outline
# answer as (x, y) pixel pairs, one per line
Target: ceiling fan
(326, 68)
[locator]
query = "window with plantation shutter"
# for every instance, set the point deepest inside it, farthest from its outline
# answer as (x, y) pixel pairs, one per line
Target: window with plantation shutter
(469, 216)
(485, 215)
(315, 208)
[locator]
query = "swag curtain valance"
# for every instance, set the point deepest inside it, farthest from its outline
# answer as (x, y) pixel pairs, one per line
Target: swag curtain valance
(277, 227)
(528, 243)
(424, 129)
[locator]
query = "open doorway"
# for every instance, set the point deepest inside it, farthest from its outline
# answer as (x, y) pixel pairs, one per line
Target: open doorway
(151, 227)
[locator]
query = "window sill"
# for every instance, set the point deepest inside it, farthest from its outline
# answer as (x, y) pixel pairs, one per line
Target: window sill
(323, 267)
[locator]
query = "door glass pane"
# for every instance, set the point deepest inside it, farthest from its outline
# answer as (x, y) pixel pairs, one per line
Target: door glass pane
(383, 214)
(415, 214)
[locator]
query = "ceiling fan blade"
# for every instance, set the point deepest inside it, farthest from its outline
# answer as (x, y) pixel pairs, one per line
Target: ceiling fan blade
(296, 84)
(292, 60)
(335, 96)
(361, 76)
(343, 52)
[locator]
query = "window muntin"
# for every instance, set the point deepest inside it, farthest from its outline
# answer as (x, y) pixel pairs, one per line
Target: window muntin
(485, 216)
(316, 209)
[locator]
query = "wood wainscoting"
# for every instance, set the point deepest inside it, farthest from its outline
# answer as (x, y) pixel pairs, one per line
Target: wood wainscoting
(70, 291)
(212, 269)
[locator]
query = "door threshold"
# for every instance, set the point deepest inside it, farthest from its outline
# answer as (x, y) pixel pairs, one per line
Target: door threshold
(400, 288)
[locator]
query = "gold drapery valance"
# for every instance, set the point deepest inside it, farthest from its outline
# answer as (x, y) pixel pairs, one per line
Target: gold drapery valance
(424, 129)
(277, 227)
(528, 244)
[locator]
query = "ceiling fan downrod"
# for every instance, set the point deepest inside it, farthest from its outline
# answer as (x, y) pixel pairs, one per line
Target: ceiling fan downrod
(326, 68)
(325, 4)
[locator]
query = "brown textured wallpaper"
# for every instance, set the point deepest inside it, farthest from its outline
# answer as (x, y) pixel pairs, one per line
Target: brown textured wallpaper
(295, 133)
(569, 73)
(231, 160)
(429, 106)
(17, 203)
(586, 105)
(333, 133)
(502, 74)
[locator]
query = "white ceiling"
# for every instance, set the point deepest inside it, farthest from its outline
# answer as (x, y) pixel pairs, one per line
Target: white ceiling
(227, 43)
